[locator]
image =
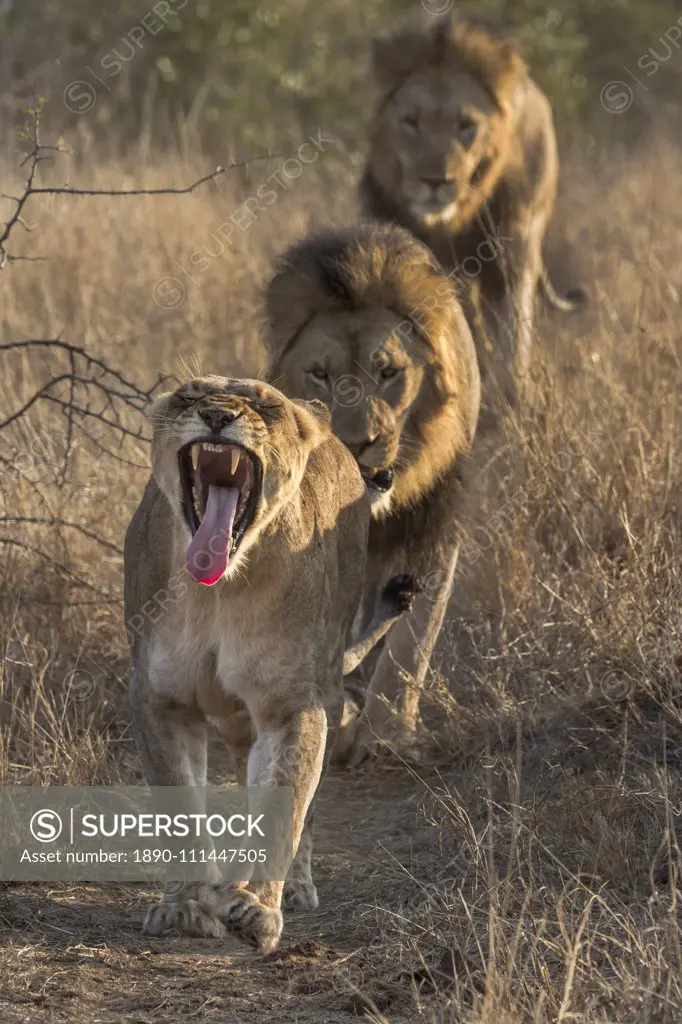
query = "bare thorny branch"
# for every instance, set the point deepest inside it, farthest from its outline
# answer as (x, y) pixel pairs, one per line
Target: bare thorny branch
(92, 391)
(89, 394)
(87, 391)
(37, 154)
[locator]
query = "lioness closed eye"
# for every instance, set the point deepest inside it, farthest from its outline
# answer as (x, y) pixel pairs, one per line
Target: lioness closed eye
(268, 511)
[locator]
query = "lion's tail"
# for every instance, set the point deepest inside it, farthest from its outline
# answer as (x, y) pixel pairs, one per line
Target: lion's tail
(574, 299)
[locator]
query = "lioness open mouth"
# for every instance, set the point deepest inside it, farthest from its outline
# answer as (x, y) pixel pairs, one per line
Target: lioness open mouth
(220, 484)
(381, 481)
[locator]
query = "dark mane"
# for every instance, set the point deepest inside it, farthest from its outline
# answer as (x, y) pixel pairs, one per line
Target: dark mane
(455, 40)
(360, 268)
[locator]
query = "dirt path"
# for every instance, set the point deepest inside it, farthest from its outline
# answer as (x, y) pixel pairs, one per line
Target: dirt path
(75, 953)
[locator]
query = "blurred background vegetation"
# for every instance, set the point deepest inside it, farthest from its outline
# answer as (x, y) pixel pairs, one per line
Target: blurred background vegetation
(252, 75)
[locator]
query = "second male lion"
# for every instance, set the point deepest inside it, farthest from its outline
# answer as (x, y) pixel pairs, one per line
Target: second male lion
(266, 509)
(367, 321)
(462, 152)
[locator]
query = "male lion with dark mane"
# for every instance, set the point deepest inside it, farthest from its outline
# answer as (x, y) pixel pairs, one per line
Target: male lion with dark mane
(462, 151)
(367, 321)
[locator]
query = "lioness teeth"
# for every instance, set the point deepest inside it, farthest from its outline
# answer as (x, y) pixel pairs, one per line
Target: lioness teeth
(208, 446)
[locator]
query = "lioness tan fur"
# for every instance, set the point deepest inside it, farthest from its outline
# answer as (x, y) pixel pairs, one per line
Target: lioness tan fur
(366, 321)
(260, 650)
(462, 152)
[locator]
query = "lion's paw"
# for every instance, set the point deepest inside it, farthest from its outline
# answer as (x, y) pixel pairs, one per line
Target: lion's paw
(300, 895)
(188, 917)
(363, 744)
(243, 913)
(400, 592)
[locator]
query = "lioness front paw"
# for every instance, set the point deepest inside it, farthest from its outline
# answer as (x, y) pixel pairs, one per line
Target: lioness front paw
(300, 895)
(187, 917)
(243, 913)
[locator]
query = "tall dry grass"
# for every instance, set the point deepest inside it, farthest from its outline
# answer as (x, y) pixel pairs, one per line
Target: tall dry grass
(556, 691)
(115, 276)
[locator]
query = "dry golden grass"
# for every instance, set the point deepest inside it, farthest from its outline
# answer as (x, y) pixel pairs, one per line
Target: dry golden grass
(529, 871)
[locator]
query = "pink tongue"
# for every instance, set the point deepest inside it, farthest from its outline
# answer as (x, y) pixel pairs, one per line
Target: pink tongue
(207, 555)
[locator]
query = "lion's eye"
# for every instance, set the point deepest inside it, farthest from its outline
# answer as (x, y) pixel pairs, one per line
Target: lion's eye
(466, 126)
(389, 371)
(410, 123)
(319, 376)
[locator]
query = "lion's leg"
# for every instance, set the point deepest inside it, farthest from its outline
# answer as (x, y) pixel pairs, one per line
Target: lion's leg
(392, 707)
(523, 263)
(300, 892)
(171, 739)
(285, 753)
(521, 306)
(237, 729)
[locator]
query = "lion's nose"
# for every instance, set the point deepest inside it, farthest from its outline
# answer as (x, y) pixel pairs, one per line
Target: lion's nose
(217, 418)
(436, 182)
(362, 447)
(441, 189)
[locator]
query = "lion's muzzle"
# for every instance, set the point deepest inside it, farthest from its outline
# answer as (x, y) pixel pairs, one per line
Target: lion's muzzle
(381, 481)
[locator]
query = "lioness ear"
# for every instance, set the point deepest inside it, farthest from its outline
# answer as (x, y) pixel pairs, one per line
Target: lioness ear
(318, 409)
(309, 417)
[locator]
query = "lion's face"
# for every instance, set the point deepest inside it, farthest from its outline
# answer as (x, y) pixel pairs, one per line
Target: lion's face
(366, 320)
(228, 454)
(368, 366)
(437, 135)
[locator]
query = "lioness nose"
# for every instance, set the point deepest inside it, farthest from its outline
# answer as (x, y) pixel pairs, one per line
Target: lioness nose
(217, 418)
